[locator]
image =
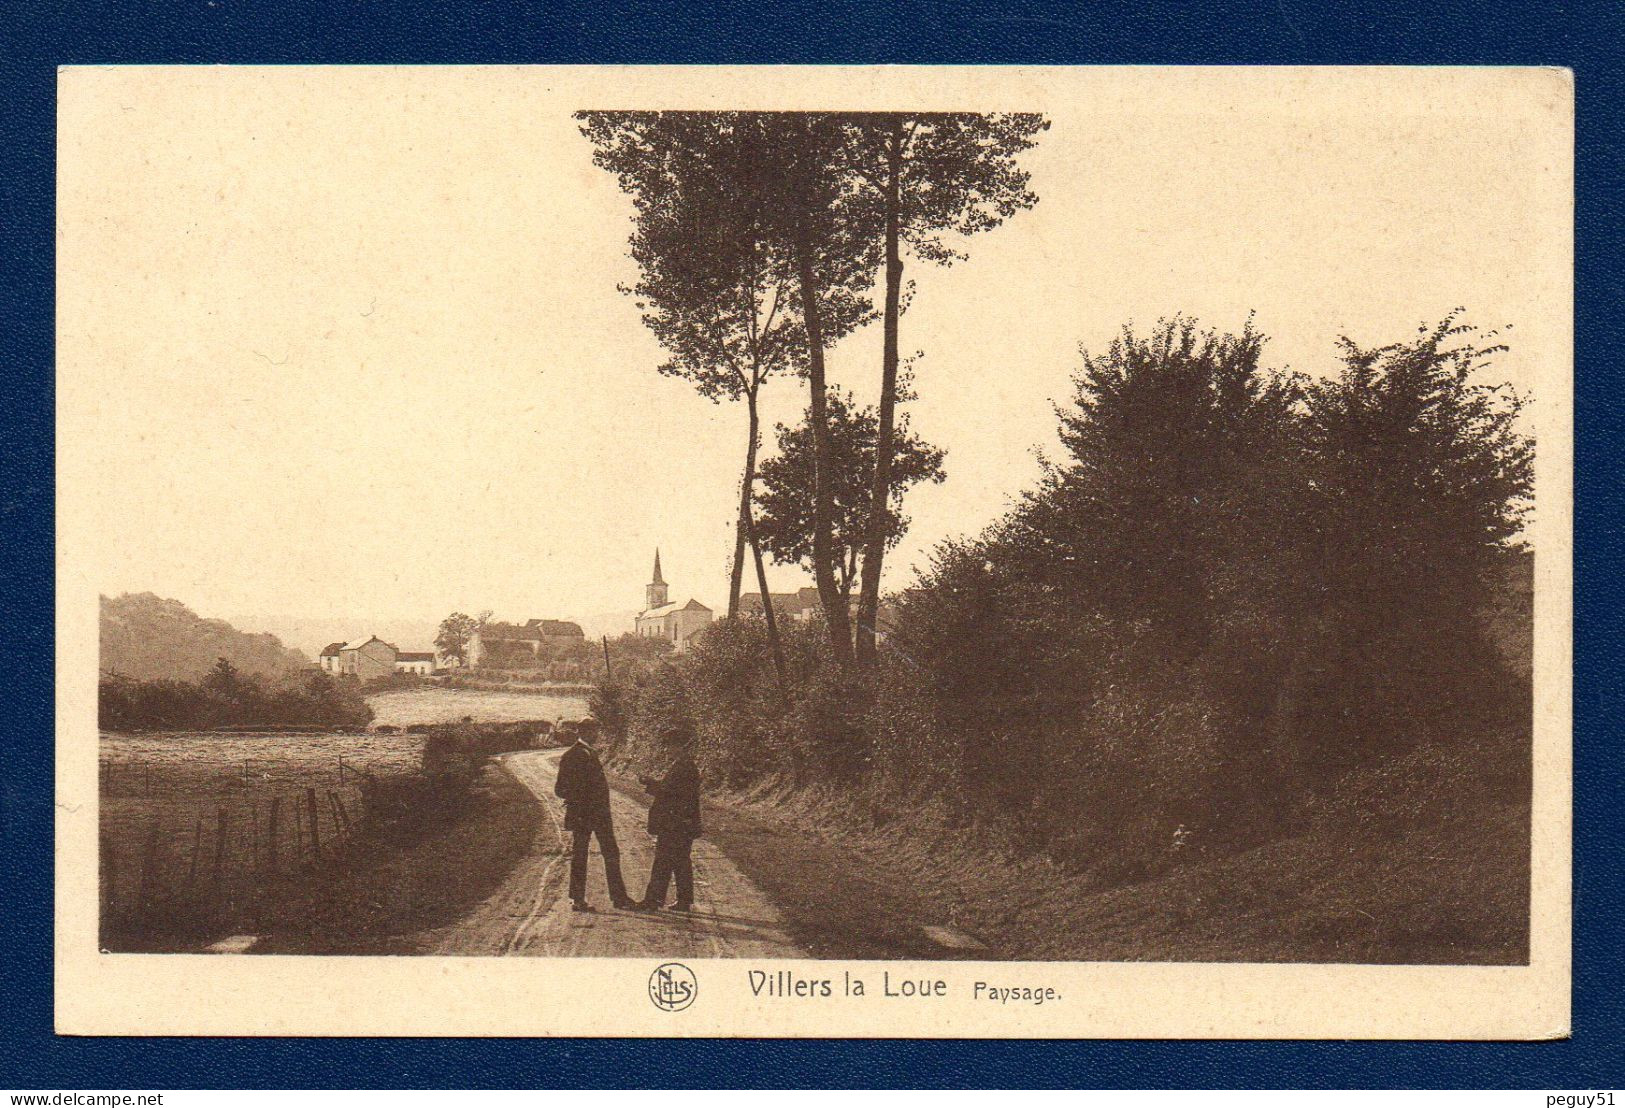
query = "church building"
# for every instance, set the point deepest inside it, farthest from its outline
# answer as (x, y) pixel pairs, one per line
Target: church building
(678, 624)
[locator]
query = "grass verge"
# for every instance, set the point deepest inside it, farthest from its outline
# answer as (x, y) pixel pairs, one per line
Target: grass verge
(393, 885)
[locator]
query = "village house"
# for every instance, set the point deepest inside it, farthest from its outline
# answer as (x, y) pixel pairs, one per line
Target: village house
(554, 645)
(365, 659)
(418, 662)
(661, 618)
(802, 606)
(370, 658)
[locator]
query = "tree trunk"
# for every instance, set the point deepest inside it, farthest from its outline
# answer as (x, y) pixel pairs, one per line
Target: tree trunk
(768, 615)
(829, 595)
(874, 548)
(742, 530)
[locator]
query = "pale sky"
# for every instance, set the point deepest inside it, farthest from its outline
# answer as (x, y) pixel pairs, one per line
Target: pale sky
(348, 342)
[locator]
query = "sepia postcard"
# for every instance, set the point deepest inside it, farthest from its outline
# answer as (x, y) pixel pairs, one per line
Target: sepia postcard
(814, 551)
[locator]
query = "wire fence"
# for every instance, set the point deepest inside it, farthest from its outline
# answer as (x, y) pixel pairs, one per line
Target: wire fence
(155, 777)
(204, 836)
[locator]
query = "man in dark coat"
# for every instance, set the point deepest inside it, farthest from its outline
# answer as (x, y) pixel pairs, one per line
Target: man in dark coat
(585, 791)
(674, 821)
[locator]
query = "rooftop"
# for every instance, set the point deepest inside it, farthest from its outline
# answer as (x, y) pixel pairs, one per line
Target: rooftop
(359, 643)
(534, 630)
(667, 609)
(782, 601)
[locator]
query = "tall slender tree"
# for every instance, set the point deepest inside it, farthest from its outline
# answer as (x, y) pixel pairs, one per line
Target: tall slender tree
(726, 240)
(821, 215)
(924, 177)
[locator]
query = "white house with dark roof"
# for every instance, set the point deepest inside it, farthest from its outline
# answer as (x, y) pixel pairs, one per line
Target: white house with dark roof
(662, 618)
(415, 661)
(328, 659)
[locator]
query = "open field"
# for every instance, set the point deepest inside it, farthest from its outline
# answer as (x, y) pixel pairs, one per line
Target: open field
(430, 704)
(188, 761)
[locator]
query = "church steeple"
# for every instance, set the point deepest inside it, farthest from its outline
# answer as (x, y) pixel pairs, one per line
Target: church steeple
(655, 592)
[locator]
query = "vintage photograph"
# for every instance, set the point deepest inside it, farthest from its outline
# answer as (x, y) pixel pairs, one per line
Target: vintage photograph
(1032, 517)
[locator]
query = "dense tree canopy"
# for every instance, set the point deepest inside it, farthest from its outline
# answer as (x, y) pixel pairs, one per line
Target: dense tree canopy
(784, 522)
(455, 632)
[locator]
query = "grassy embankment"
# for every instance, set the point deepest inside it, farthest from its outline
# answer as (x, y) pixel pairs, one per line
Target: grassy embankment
(1356, 885)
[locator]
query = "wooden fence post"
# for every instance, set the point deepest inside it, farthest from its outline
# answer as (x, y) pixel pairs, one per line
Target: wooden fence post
(270, 834)
(341, 818)
(298, 833)
(222, 820)
(315, 824)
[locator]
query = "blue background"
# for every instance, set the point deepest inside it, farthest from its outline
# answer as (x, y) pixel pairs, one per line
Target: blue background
(35, 38)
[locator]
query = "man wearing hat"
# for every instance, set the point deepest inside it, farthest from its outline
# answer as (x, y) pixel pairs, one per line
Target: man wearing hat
(585, 792)
(674, 821)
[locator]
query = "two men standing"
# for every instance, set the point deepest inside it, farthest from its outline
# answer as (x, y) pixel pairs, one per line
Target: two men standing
(674, 820)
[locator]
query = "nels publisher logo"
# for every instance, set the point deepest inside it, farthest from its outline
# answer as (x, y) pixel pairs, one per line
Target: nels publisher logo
(672, 987)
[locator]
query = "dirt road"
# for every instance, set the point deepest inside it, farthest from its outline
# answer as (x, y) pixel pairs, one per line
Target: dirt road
(530, 913)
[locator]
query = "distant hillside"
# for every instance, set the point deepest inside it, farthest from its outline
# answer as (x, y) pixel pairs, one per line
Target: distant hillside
(146, 636)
